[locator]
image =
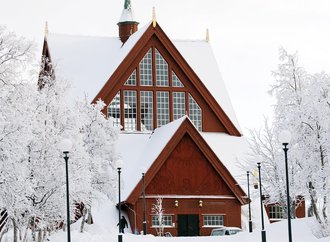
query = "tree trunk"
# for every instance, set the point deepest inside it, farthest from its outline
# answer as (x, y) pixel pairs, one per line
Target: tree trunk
(3, 231)
(314, 208)
(25, 234)
(324, 209)
(83, 221)
(14, 230)
(89, 217)
(40, 235)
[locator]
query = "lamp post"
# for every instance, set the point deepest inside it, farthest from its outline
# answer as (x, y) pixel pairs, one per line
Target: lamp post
(120, 236)
(248, 183)
(65, 146)
(263, 232)
(285, 138)
(144, 205)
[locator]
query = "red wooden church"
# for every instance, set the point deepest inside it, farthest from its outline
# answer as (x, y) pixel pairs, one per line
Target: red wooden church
(178, 125)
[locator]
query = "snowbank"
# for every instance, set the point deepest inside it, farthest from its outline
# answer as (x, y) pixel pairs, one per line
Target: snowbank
(105, 229)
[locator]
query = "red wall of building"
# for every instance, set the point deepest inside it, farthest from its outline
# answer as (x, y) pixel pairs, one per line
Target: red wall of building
(189, 174)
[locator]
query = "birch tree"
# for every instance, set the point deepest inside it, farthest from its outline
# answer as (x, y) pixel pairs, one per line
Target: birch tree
(303, 107)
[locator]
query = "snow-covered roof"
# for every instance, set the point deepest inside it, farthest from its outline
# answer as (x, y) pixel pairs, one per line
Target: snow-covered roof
(127, 15)
(197, 54)
(88, 62)
(140, 150)
(231, 151)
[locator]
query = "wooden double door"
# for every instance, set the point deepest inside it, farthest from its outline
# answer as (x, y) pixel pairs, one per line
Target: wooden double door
(188, 225)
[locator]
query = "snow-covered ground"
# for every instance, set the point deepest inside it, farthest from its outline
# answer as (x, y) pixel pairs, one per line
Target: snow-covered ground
(105, 219)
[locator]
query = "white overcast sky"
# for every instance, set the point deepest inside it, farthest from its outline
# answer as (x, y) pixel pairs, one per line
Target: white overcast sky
(245, 35)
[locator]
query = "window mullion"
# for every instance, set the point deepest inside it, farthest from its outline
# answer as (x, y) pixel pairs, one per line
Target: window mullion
(138, 111)
(122, 111)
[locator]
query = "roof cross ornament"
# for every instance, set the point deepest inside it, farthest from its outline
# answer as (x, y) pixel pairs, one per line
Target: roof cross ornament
(127, 4)
(46, 28)
(154, 17)
(207, 35)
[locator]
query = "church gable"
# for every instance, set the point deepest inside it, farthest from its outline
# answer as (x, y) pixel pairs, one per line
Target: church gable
(173, 161)
(188, 172)
(150, 89)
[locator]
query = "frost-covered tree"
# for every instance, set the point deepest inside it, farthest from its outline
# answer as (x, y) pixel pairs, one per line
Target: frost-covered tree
(33, 121)
(15, 54)
(158, 211)
(303, 107)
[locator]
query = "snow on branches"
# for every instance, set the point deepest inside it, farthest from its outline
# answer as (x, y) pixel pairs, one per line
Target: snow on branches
(303, 107)
(33, 121)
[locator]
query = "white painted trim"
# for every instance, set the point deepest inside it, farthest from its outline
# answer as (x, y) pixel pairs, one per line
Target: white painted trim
(192, 196)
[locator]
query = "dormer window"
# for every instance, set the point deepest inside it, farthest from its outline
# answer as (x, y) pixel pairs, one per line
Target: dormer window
(151, 97)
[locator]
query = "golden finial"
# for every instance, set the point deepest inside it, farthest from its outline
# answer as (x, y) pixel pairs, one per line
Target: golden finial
(207, 35)
(153, 17)
(46, 28)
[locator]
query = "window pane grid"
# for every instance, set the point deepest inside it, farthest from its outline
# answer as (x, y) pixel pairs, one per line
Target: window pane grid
(146, 102)
(167, 220)
(195, 113)
(276, 212)
(146, 69)
(179, 105)
(161, 70)
(131, 81)
(114, 110)
(130, 121)
(163, 114)
(213, 220)
(176, 81)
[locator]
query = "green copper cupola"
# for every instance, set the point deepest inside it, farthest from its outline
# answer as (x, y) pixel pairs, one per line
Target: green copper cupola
(127, 22)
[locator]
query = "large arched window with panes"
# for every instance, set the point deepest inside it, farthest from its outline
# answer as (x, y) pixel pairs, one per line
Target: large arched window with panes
(153, 96)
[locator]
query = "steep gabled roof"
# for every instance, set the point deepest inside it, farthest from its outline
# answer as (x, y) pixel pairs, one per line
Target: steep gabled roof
(155, 149)
(87, 61)
(93, 65)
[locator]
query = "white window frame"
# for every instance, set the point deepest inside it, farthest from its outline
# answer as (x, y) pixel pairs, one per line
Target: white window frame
(276, 212)
(147, 98)
(195, 113)
(154, 218)
(179, 104)
(213, 217)
(162, 79)
(163, 108)
(146, 78)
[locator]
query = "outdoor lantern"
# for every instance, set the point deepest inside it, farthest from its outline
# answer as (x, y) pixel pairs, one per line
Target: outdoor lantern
(200, 203)
(65, 145)
(176, 203)
(284, 137)
(255, 174)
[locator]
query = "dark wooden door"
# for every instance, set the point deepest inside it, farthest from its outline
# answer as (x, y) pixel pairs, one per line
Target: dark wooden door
(188, 225)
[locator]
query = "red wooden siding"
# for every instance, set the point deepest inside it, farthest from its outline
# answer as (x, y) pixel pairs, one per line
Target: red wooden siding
(188, 172)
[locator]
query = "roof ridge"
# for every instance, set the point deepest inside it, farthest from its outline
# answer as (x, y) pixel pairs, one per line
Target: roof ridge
(81, 35)
(189, 40)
